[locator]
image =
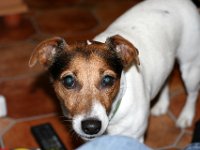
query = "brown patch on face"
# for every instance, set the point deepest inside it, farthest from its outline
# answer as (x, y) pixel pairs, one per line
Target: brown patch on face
(85, 72)
(46, 50)
(88, 74)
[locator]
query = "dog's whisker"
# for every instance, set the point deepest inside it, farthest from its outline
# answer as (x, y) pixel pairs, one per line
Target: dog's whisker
(74, 135)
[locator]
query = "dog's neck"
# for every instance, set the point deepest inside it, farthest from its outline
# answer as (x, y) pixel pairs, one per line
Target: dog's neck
(118, 99)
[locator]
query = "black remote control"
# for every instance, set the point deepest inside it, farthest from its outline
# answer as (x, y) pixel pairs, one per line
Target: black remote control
(47, 138)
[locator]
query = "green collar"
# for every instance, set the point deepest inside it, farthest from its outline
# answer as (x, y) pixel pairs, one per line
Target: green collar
(119, 96)
(116, 108)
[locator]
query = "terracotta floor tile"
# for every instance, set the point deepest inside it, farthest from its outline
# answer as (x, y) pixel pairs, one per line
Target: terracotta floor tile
(29, 96)
(82, 35)
(4, 123)
(70, 38)
(197, 116)
(14, 60)
(175, 81)
(37, 38)
(107, 15)
(171, 148)
(45, 4)
(66, 20)
(24, 138)
(178, 102)
(185, 140)
(161, 132)
(20, 33)
(101, 11)
(98, 1)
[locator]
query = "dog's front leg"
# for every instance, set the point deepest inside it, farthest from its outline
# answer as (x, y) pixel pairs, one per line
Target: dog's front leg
(162, 105)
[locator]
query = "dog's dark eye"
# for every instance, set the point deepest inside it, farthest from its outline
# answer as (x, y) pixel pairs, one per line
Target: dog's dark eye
(69, 81)
(107, 81)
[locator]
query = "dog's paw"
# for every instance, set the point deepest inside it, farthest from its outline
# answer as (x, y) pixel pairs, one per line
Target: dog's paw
(185, 119)
(160, 109)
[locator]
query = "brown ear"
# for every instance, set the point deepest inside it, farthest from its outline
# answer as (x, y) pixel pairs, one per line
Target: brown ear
(126, 51)
(46, 50)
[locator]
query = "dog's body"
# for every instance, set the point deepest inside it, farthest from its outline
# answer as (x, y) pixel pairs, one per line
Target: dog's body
(161, 30)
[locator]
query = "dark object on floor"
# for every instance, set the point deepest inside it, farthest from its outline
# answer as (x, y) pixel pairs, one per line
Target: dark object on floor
(196, 133)
(47, 138)
(197, 3)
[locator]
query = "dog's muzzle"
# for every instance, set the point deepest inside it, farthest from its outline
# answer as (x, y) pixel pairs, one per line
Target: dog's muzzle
(91, 126)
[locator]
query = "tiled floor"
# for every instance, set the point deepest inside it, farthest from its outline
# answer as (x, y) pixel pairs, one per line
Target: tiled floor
(29, 95)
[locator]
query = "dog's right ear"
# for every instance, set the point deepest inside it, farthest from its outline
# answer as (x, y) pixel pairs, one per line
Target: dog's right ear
(46, 51)
(125, 50)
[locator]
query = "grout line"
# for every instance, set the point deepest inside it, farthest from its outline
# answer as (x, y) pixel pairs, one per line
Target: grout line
(178, 139)
(13, 122)
(184, 131)
(1, 143)
(171, 115)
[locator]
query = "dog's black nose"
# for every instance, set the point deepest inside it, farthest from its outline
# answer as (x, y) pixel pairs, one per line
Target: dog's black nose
(91, 126)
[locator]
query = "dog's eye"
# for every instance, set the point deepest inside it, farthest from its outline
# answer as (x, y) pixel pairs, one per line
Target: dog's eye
(107, 81)
(69, 81)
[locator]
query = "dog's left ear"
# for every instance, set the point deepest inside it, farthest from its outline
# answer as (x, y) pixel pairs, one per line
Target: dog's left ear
(46, 51)
(126, 51)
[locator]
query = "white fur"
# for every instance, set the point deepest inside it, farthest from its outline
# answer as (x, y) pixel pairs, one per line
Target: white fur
(161, 30)
(97, 112)
(119, 96)
(89, 42)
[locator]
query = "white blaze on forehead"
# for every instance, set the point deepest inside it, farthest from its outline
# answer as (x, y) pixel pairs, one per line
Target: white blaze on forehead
(97, 112)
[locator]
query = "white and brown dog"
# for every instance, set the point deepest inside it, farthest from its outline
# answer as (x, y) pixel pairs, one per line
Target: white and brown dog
(106, 85)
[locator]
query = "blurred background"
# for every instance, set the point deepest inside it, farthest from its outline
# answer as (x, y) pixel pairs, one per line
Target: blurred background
(29, 96)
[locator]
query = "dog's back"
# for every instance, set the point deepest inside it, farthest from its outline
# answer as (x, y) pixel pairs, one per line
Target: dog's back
(160, 29)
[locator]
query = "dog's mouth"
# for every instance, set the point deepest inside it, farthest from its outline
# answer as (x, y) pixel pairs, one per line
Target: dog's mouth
(91, 125)
(89, 129)
(91, 137)
(88, 138)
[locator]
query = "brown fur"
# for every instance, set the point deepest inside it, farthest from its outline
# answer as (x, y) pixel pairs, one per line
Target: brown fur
(89, 76)
(126, 50)
(88, 63)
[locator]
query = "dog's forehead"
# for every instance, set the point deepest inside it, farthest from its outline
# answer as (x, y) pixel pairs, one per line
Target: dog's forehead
(83, 55)
(87, 48)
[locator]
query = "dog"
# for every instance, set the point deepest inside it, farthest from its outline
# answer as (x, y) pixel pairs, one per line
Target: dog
(105, 85)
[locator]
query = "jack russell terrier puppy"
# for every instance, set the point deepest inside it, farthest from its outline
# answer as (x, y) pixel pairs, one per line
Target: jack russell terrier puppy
(105, 85)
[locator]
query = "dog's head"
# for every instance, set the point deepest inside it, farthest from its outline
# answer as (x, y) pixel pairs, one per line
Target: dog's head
(86, 78)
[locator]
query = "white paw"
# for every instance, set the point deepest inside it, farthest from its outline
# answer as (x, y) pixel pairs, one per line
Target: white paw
(159, 109)
(185, 119)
